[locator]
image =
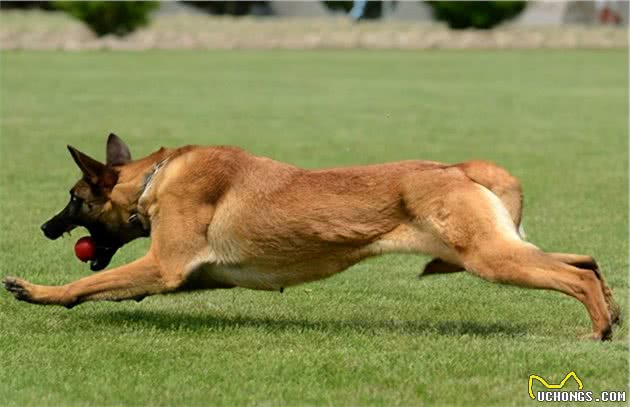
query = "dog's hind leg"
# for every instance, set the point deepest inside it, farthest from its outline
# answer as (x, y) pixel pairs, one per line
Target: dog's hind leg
(527, 266)
(581, 261)
(587, 262)
(477, 226)
(501, 183)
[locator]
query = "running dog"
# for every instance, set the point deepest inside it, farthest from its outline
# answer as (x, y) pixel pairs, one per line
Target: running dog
(220, 217)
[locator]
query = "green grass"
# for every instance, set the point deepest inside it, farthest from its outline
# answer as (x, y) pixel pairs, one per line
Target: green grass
(374, 335)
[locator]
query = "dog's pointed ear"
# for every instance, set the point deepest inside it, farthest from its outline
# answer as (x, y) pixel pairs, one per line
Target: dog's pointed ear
(92, 169)
(117, 151)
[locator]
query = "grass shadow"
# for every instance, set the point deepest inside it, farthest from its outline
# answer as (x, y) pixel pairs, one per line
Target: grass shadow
(204, 322)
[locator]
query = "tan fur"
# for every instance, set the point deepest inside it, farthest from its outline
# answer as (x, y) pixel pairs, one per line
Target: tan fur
(221, 217)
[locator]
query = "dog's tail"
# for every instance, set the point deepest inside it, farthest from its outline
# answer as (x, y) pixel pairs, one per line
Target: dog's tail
(503, 184)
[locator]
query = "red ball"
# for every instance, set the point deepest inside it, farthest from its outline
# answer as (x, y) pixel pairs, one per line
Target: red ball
(85, 248)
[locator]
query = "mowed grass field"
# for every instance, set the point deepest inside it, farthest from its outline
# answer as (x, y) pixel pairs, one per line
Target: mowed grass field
(373, 335)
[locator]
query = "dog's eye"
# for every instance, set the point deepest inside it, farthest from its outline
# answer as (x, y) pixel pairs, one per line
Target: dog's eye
(75, 200)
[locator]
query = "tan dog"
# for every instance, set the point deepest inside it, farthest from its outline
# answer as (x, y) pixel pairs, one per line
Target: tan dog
(219, 217)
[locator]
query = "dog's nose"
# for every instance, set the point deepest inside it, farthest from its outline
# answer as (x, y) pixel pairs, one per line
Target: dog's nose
(47, 231)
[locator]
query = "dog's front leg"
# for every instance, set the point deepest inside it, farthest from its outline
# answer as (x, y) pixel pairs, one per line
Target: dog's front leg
(131, 281)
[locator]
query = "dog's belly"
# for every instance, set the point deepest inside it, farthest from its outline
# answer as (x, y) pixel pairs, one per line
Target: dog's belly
(259, 278)
(269, 272)
(273, 276)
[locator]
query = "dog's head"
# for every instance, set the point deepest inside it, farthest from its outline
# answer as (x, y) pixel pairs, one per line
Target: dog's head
(92, 207)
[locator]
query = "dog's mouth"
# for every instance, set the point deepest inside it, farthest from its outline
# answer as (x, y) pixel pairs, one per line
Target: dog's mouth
(102, 257)
(106, 245)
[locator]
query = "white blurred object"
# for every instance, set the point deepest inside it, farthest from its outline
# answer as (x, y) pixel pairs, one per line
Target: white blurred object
(408, 10)
(298, 8)
(542, 13)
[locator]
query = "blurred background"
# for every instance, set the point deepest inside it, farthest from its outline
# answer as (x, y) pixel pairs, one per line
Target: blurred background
(314, 24)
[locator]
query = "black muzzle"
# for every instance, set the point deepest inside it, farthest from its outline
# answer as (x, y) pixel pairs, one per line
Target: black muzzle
(69, 218)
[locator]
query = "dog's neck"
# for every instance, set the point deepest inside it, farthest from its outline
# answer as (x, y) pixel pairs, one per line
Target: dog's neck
(133, 177)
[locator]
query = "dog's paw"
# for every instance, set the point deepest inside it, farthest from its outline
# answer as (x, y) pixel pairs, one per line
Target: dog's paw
(17, 287)
(606, 335)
